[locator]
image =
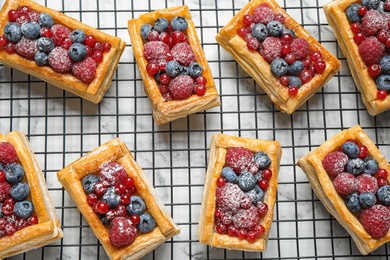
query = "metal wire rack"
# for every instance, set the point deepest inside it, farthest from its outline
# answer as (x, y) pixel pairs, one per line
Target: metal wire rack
(62, 127)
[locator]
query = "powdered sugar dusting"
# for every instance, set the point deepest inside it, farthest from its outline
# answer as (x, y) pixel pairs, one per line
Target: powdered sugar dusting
(112, 173)
(59, 60)
(335, 162)
(155, 50)
(229, 197)
(271, 49)
(27, 48)
(367, 183)
(345, 183)
(247, 218)
(183, 53)
(376, 220)
(182, 86)
(239, 159)
(372, 22)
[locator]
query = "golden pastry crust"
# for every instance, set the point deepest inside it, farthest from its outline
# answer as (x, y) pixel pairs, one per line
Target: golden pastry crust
(219, 145)
(259, 69)
(115, 150)
(48, 228)
(95, 90)
(322, 184)
(164, 112)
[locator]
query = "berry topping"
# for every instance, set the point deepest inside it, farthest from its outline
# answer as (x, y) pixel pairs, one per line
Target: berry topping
(45, 20)
(14, 173)
(260, 32)
(246, 181)
(155, 50)
(271, 49)
(146, 223)
(376, 220)
(136, 205)
(300, 48)
(372, 22)
(13, 32)
(60, 32)
(122, 232)
(246, 218)
(353, 203)
(77, 52)
(335, 162)
(23, 209)
(183, 53)
(5, 187)
(262, 14)
(229, 175)
(19, 191)
(345, 183)
(239, 159)
(355, 166)
(279, 67)
(229, 197)
(367, 200)
(179, 23)
(383, 195)
(59, 60)
(7, 153)
(350, 149)
(371, 50)
(85, 70)
(112, 173)
(45, 44)
(182, 87)
(27, 48)
(111, 198)
(30, 29)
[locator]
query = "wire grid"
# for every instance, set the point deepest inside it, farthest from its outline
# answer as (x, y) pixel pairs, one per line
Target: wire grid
(62, 127)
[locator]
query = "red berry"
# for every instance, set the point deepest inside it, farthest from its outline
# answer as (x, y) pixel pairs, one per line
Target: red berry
(100, 188)
(97, 55)
(345, 183)
(315, 56)
(113, 173)
(13, 15)
(201, 80)
(242, 32)
(98, 46)
(319, 66)
(376, 220)
(59, 32)
(356, 27)
(262, 208)
(253, 44)
(200, 90)
(359, 38)
(125, 199)
(246, 218)
(5, 187)
(232, 231)
(32, 220)
(85, 70)
(106, 47)
(263, 184)
(373, 22)
(59, 60)
(386, 5)
(177, 37)
(167, 97)
(272, 49)
(135, 219)
(267, 174)
(152, 68)
(120, 189)
(286, 39)
(163, 89)
(382, 182)
(218, 213)
(382, 173)
(183, 53)
(374, 70)
(362, 11)
(247, 19)
(229, 196)
(284, 80)
(260, 230)
(7, 153)
(90, 41)
(221, 228)
(366, 183)
(371, 50)
(129, 182)
(262, 14)
(155, 50)
(10, 229)
(27, 48)
(305, 76)
(251, 236)
(239, 159)
(122, 232)
(165, 79)
(381, 94)
(382, 35)
(66, 43)
(335, 162)
(101, 207)
(7, 208)
(23, 9)
(89, 51)
(153, 35)
(3, 41)
(221, 181)
(92, 199)
(300, 47)
(2, 176)
(133, 190)
(279, 18)
(10, 48)
(286, 49)
(363, 152)
(242, 233)
(46, 32)
(182, 87)
(292, 91)
(289, 58)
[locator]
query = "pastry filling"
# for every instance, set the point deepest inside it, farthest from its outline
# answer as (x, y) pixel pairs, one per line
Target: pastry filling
(291, 59)
(369, 23)
(171, 59)
(113, 196)
(241, 188)
(363, 186)
(35, 36)
(16, 209)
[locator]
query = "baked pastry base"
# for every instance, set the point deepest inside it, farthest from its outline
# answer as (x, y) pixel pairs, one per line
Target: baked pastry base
(321, 183)
(164, 112)
(259, 69)
(115, 150)
(219, 145)
(48, 228)
(335, 14)
(95, 90)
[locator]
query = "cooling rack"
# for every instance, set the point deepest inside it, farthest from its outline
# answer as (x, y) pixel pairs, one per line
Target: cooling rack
(62, 127)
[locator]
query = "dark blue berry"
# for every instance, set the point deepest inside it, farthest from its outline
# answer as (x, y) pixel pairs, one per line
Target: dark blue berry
(145, 29)
(367, 200)
(296, 67)
(246, 181)
(352, 202)
(383, 195)
(161, 25)
(259, 175)
(355, 166)
(12, 32)
(350, 149)
(256, 194)
(194, 69)
(89, 182)
(136, 205)
(179, 23)
(352, 13)
(275, 28)
(157, 76)
(371, 165)
(111, 198)
(383, 82)
(14, 173)
(146, 223)
(260, 32)
(23, 209)
(279, 67)
(77, 36)
(294, 81)
(104, 219)
(229, 175)
(173, 68)
(288, 31)
(41, 58)
(77, 52)
(371, 4)
(19, 191)
(183, 70)
(385, 64)
(45, 44)
(45, 20)
(262, 160)
(30, 29)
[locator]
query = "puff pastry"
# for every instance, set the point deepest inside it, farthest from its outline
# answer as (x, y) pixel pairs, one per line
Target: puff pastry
(337, 19)
(321, 183)
(95, 90)
(219, 145)
(115, 150)
(164, 112)
(259, 69)
(48, 228)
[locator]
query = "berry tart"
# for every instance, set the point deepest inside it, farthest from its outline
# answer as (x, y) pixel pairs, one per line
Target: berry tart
(350, 176)
(240, 193)
(282, 57)
(177, 78)
(118, 202)
(28, 219)
(58, 49)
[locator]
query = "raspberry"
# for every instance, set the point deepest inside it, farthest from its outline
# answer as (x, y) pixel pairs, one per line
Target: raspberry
(300, 48)
(112, 173)
(272, 49)
(345, 183)
(122, 232)
(181, 87)
(376, 220)
(371, 50)
(246, 218)
(60, 32)
(27, 48)
(155, 50)
(373, 22)
(239, 159)
(262, 14)
(183, 53)
(366, 183)
(5, 187)
(229, 197)
(334, 163)
(85, 70)
(7, 153)
(59, 60)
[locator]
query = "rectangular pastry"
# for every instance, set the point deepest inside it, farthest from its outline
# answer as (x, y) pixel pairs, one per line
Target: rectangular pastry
(350, 176)
(177, 78)
(58, 49)
(370, 77)
(278, 53)
(239, 193)
(119, 203)
(29, 219)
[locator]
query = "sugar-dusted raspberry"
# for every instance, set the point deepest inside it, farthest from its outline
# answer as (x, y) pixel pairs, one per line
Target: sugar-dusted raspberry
(85, 70)
(59, 60)
(122, 232)
(371, 50)
(7, 153)
(33, 16)
(373, 22)
(60, 32)
(183, 53)
(5, 187)
(27, 48)
(335, 162)
(272, 49)
(345, 183)
(229, 197)
(181, 87)
(366, 183)
(262, 14)
(246, 218)
(376, 220)
(239, 159)
(300, 48)
(112, 173)
(155, 50)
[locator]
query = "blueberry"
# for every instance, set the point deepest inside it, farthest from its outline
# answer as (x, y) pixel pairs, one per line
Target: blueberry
(383, 195)
(183, 70)
(256, 194)
(157, 76)
(367, 200)
(173, 68)
(145, 29)
(294, 81)
(385, 64)
(45, 44)
(23, 209)
(371, 165)
(371, 4)
(296, 67)
(1, 213)
(179, 23)
(383, 82)
(350, 149)
(89, 182)
(229, 175)
(14, 173)
(111, 198)
(146, 223)
(259, 175)
(275, 28)
(77, 51)
(262, 159)
(194, 69)
(19, 191)
(77, 36)
(136, 205)
(288, 31)
(45, 20)
(161, 25)
(352, 202)
(279, 67)
(12, 32)
(355, 166)
(104, 219)
(41, 58)
(30, 29)
(259, 31)
(246, 181)
(352, 13)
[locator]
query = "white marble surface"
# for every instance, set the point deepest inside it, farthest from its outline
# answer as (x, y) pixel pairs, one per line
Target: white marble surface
(62, 127)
